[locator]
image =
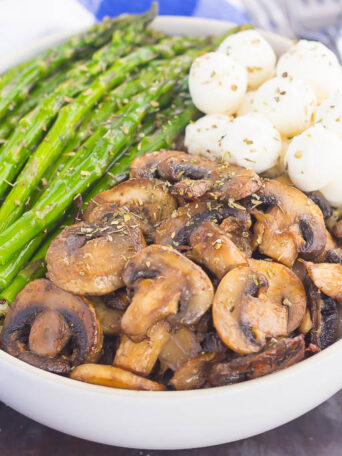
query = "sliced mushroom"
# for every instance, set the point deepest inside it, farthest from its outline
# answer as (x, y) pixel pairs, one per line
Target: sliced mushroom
(293, 226)
(214, 249)
(176, 230)
(118, 299)
(148, 201)
(141, 357)
(324, 316)
(89, 259)
(322, 203)
(99, 374)
(275, 357)
(284, 288)
(165, 285)
(178, 349)
(194, 373)
(51, 329)
(146, 165)
(327, 277)
(338, 229)
(196, 176)
(243, 315)
(109, 318)
(334, 255)
(237, 228)
(325, 255)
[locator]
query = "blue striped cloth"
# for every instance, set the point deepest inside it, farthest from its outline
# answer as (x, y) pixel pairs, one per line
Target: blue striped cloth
(231, 10)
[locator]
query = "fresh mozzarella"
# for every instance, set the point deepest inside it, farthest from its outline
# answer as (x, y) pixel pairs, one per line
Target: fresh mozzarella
(333, 191)
(288, 103)
(314, 158)
(217, 83)
(315, 64)
(329, 113)
(253, 52)
(203, 136)
(251, 141)
(247, 102)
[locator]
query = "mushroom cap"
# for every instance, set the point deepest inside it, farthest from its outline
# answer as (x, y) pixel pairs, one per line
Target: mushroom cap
(277, 356)
(194, 373)
(149, 199)
(324, 316)
(146, 165)
(214, 249)
(89, 259)
(166, 284)
(284, 288)
(56, 319)
(293, 225)
(242, 313)
(327, 277)
(176, 230)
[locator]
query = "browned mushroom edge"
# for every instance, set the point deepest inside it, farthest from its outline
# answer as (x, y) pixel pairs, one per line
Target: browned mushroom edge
(88, 259)
(275, 357)
(176, 230)
(145, 202)
(194, 176)
(51, 329)
(324, 316)
(292, 226)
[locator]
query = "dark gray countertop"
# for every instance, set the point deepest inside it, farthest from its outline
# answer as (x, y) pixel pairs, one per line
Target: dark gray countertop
(318, 433)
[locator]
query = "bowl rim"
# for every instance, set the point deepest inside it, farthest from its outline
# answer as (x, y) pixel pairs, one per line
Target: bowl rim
(28, 369)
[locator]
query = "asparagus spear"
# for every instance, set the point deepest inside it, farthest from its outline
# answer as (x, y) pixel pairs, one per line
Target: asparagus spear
(77, 180)
(12, 73)
(32, 126)
(66, 123)
(51, 59)
(172, 120)
(42, 90)
(9, 270)
(105, 111)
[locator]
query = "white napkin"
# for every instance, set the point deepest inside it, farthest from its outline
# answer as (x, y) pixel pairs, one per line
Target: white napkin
(23, 21)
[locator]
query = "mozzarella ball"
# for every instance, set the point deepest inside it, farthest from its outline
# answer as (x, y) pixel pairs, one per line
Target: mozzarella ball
(253, 52)
(314, 158)
(203, 136)
(217, 83)
(247, 103)
(329, 113)
(288, 104)
(315, 64)
(251, 141)
(333, 191)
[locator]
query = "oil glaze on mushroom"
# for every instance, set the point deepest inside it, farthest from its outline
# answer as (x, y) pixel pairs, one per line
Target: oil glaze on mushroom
(292, 226)
(243, 315)
(165, 284)
(278, 355)
(51, 329)
(89, 259)
(148, 200)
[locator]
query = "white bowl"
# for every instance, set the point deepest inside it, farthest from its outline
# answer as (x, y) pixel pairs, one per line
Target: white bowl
(173, 419)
